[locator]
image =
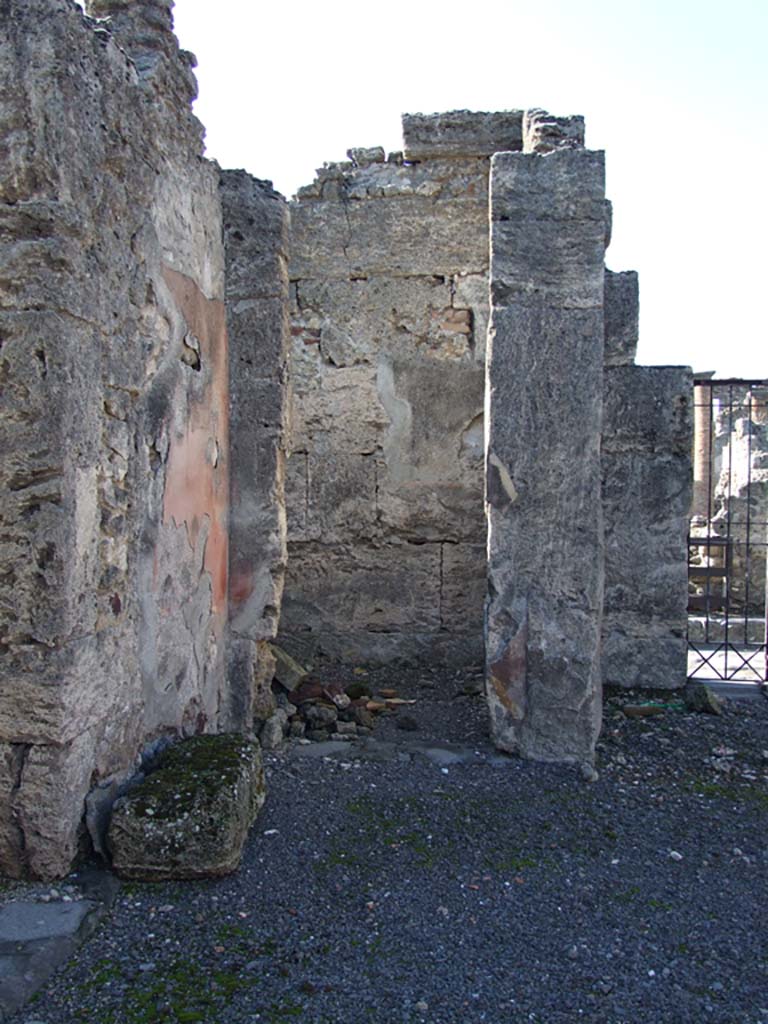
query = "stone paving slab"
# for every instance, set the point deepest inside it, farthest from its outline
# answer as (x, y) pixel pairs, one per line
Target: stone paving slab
(381, 750)
(36, 937)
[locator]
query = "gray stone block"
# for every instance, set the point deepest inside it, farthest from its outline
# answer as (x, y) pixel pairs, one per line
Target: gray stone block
(35, 940)
(462, 595)
(622, 313)
(649, 409)
(190, 817)
(393, 588)
(548, 227)
(458, 133)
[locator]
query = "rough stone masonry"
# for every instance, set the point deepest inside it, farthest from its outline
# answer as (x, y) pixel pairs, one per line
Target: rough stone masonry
(389, 281)
(155, 313)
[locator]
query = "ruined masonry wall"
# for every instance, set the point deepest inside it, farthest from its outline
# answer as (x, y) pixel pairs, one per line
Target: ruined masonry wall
(389, 286)
(113, 454)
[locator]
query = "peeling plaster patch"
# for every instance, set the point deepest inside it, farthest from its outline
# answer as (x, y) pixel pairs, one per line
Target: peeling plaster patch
(472, 437)
(507, 675)
(401, 418)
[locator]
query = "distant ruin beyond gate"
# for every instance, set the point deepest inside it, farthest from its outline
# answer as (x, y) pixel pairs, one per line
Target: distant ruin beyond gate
(729, 532)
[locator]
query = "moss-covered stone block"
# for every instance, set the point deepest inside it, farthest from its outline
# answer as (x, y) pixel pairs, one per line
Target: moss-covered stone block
(190, 817)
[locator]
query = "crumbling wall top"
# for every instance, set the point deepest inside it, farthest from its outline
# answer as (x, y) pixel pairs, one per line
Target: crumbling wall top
(545, 133)
(144, 30)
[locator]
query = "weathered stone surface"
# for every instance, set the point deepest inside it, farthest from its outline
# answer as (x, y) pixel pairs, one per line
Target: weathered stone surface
(363, 587)
(251, 665)
(461, 133)
(649, 408)
(430, 469)
(647, 492)
(362, 157)
(273, 731)
(288, 672)
(622, 312)
(190, 817)
(543, 457)
(353, 238)
(342, 497)
(354, 319)
(46, 799)
(381, 603)
(344, 410)
(463, 588)
(700, 698)
(470, 291)
(37, 938)
(534, 251)
(544, 133)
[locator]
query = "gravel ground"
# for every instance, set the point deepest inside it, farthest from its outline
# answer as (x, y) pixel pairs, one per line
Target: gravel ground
(491, 890)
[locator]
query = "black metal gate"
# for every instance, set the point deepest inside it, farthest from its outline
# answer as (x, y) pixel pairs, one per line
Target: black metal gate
(728, 538)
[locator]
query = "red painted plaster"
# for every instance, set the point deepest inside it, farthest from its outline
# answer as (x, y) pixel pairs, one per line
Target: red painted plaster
(194, 487)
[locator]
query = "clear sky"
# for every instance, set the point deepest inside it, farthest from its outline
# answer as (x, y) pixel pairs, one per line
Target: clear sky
(676, 92)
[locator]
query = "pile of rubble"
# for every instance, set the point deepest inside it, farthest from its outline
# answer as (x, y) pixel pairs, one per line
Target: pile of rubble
(312, 709)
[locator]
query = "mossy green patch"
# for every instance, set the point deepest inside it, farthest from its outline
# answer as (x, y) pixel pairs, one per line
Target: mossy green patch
(739, 793)
(192, 771)
(510, 861)
(626, 895)
(177, 992)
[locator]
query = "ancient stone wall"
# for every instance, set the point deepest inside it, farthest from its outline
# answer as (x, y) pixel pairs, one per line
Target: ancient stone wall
(389, 265)
(114, 450)
(143, 463)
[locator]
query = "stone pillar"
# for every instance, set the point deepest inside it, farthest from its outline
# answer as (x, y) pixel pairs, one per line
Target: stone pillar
(255, 236)
(544, 393)
(646, 457)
